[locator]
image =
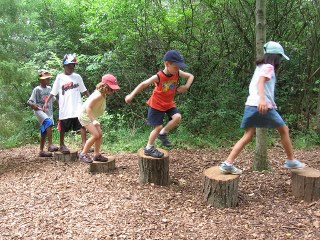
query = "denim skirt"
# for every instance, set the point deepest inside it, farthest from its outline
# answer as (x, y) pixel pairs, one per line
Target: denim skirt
(253, 119)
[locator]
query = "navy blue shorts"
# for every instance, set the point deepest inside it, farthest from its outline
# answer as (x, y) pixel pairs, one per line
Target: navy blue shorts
(253, 119)
(70, 124)
(155, 117)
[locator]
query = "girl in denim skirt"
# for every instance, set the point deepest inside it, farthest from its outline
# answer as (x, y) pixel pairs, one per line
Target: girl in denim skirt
(260, 109)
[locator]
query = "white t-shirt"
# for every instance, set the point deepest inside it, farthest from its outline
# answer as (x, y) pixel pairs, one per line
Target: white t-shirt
(265, 70)
(69, 88)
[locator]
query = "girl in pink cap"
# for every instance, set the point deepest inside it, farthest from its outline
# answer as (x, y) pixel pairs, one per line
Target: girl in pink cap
(93, 108)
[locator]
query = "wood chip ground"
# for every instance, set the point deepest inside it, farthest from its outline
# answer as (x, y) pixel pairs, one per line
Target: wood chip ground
(46, 199)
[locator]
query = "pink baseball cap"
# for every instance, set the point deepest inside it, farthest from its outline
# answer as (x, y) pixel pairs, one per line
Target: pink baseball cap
(111, 81)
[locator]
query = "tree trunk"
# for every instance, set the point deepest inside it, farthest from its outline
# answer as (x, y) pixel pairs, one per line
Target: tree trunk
(72, 156)
(103, 167)
(305, 184)
(260, 162)
(318, 113)
(220, 190)
(154, 170)
(260, 159)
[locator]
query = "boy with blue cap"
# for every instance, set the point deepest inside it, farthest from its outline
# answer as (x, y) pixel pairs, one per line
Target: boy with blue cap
(161, 101)
(69, 85)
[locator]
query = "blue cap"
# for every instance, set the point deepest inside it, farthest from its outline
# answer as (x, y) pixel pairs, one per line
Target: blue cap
(69, 59)
(274, 48)
(174, 56)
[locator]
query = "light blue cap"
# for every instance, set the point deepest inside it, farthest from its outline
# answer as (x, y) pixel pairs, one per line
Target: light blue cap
(274, 48)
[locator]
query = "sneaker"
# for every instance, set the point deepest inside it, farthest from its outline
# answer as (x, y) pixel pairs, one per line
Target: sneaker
(100, 158)
(45, 154)
(293, 164)
(164, 140)
(229, 169)
(153, 152)
(85, 158)
(52, 148)
(63, 149)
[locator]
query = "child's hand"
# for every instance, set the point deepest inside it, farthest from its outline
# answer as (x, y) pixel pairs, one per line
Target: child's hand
(44, 108)
(182, 89)
(262, 107)
(96, 123)
(128, 98)
(35, 107)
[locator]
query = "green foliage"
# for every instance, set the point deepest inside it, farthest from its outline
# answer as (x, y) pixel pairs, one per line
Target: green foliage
(306, 139)
(129, 38)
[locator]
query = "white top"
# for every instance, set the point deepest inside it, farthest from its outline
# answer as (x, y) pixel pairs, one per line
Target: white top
(69, 88)
(265, 70)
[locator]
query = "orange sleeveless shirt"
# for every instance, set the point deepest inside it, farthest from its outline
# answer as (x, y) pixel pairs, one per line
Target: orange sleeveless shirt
(162, 97)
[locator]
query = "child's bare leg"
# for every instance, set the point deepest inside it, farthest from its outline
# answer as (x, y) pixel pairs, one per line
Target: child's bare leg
(175, 120)
(42, 141)
(97, 143)
(51, 147)
(154, 134)
(96, 136)
(62, 133)
(286, 141)
(237, 148)
(83, 133)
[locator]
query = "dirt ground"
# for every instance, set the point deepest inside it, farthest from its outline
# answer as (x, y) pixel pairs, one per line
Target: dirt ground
(46, 199)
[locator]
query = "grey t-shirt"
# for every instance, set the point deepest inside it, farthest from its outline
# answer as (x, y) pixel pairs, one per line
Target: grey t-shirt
(39, 96)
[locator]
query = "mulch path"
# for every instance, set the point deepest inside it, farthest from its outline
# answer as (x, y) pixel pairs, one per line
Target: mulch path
(46, 199)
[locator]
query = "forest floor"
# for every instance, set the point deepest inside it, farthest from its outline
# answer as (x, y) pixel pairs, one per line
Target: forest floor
(46, 199)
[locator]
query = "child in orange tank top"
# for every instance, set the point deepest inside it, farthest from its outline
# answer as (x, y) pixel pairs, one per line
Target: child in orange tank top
(161, 101)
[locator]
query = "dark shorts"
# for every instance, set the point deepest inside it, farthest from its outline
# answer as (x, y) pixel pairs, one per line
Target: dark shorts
(253, 119)
(155, 117)
(66, 125)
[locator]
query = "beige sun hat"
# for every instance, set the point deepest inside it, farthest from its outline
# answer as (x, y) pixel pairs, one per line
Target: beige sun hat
(44, 74)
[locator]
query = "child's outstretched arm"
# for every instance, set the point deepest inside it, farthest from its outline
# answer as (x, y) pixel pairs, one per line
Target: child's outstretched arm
(140, 87)
(189, 77)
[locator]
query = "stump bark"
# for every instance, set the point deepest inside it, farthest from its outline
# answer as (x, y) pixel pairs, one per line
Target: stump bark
(154, 170)
(103, 167)
(305, 184)
(72, 156)
(220, 190)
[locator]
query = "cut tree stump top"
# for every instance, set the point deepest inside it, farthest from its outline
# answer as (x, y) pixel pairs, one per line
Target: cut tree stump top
(307, 172)
(215, 173)
(141, 154)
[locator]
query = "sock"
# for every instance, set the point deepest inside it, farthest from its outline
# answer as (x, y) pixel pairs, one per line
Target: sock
(228, 164)
(162, 131)
(149, 146)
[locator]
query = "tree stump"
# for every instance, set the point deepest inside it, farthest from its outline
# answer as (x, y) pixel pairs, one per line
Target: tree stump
(103, 167)
(305, 184)
(220, 190)
(72, 156)
(154, 170)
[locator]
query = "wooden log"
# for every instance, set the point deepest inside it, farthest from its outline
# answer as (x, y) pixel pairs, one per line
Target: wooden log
(154, 170)
(72, 156)
(220, 190)
(305, 184)
(103, 167)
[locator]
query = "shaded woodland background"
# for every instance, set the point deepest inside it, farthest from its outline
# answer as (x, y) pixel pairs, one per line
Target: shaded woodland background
(129, 38)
